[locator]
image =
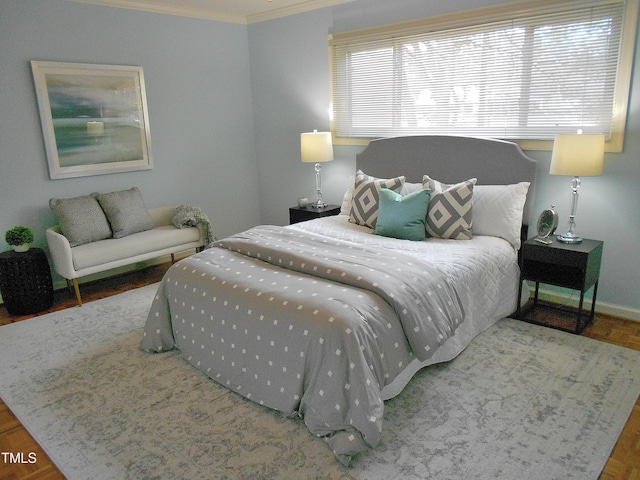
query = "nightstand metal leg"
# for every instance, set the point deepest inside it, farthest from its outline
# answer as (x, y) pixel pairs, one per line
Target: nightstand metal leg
(593, 303)
(579, 326)
(519, 299)
(592, 314)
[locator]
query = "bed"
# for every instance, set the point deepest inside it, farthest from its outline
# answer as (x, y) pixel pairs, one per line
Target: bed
(327, 319)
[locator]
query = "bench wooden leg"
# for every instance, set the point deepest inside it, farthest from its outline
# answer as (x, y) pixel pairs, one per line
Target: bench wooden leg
(76, 289)
(173, 259)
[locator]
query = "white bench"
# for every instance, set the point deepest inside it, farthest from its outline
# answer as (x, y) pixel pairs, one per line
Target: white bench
(72, 263)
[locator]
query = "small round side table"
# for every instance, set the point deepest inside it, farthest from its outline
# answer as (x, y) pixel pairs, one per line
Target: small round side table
(25, 281)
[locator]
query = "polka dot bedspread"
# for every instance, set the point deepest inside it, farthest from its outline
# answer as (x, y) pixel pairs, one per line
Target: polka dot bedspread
(315, 324)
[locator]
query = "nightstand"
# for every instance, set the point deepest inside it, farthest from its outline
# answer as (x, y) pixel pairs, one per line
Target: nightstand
(301, 214)
(574, 266)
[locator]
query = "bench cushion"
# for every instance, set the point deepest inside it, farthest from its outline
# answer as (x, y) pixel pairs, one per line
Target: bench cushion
(110, 250)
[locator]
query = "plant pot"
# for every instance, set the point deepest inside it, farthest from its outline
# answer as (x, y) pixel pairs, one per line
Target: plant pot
(21, 248)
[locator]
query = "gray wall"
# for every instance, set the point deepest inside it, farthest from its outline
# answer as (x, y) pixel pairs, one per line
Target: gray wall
(227, 104)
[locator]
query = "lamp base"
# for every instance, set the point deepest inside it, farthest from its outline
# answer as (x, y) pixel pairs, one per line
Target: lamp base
(319, 203)
(569, 237)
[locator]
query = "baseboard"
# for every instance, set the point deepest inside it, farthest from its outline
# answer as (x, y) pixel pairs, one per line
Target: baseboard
(601, 307)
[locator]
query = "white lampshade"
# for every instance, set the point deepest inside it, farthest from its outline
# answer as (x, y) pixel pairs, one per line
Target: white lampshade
(316, 147)
(577, 155)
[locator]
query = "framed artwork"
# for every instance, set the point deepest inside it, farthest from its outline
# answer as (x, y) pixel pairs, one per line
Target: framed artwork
(94, 118)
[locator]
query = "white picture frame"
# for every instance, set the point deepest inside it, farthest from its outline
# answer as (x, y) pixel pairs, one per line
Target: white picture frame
(94, 118)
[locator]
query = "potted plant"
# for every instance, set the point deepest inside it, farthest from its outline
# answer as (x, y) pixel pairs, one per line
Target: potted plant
(20, 238)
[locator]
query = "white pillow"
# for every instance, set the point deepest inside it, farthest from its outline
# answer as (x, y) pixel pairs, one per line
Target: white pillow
(498, 211)
(345, 208)
(408, 188)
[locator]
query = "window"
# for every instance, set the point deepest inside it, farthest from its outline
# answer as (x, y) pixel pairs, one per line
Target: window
(517, 76)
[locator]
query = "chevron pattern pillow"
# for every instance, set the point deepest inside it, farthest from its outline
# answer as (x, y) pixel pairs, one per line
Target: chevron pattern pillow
(450, 209)
(366, 195)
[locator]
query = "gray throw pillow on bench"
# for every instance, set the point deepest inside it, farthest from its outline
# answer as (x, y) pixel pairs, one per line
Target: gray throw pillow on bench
(125, 211)
(81, 219)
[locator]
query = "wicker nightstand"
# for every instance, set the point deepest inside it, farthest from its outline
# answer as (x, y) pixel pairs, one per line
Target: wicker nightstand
(25, 281)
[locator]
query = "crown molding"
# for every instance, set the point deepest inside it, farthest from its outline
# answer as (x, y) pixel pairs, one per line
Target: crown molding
(180, 10)
(211, 14)
(293, 10)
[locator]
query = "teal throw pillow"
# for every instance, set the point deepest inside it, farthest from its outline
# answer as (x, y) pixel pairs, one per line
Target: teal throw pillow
(403, 217)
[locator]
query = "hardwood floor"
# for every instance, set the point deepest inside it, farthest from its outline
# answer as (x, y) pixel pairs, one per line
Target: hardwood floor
(623, 464)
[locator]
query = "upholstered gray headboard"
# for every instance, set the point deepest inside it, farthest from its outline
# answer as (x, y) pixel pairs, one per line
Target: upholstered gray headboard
(451, 159)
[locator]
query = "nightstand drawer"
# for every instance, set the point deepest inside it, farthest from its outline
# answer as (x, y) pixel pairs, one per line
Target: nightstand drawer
(553, 273)
(548, 254)
(562, 254)
(302, 214)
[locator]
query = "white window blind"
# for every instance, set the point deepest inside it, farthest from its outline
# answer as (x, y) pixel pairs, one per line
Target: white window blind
(529, 77)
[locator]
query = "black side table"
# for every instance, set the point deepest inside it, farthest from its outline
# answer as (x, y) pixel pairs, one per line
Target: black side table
(25, 281)
(574, 266)
(301, 214)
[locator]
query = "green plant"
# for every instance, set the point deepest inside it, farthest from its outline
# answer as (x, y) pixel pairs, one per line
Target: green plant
(19, 236)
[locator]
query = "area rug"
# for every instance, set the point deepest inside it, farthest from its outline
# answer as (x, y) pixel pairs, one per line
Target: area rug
(521, 401)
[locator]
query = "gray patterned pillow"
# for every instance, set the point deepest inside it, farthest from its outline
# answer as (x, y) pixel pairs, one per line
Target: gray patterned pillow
(126, 212)
(366, 194)
(81, 219)
(450, 209)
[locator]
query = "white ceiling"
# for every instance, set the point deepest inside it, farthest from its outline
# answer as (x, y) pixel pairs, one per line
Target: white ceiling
(234, 11)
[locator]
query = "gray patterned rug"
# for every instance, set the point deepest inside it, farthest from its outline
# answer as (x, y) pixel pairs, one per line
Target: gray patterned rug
(521, 402)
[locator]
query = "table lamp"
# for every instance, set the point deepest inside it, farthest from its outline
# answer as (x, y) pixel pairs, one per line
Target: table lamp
(316, 148)
(576, 155)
